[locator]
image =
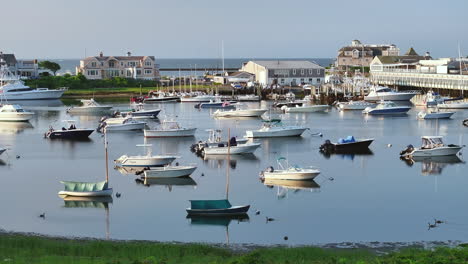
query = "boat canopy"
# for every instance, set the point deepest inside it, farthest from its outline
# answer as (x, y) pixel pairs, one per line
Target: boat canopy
(85, 186)
(210, 204)
(348, 139)
(432, 142)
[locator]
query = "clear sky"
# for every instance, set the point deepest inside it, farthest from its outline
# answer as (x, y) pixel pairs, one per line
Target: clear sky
(249, 28)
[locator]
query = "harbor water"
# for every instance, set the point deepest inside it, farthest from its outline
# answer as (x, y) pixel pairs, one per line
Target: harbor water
(366, 197)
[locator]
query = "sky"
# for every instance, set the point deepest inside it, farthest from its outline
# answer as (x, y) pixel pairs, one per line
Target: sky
(51, 29)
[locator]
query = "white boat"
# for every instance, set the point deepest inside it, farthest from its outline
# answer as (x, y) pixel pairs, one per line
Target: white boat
(14, 113)
(2, 150)
(354, 105)
(431, 146)
(276, 129)
(386, 108)
(139, 112)
(161, 97)
(378, 93)
(127, 124)
(147, 160)
(305, 108)
(432, 99)
(222, 149)
(12, 88)
(89, 106)
(248, 98)
(169, 172)
(170, 129)
(198, 98)
(214, 139)
(240, 113)
(286, 172)
(459, 104)
(434, 114)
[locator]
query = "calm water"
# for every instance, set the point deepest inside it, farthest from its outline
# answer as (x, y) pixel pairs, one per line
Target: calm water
(373, 197)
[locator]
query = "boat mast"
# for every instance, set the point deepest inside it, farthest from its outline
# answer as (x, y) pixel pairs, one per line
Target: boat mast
(107, 156)
(228, 163)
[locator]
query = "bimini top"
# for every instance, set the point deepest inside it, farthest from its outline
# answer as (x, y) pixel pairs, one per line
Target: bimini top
(429, 137)
(210, 204)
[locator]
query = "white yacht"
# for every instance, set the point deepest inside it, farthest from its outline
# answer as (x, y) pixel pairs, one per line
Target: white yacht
(305, 108)
(12, 88)
(276, 129)
(458, 104)
(378, 93)
(14, 113)
(431, 146)
(431, 114)
(354, 105)
(198, 98)
(89, 106)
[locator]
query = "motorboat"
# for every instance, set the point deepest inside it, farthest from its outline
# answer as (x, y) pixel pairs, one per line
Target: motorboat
(458, 104)
(14, 113)
(169, 172)
(198, 98)
(354, 105)
(215, 208)
(233, 149)
(147, 160)
(240, 113)
(286, 172)
(276, 129)
(72, 132)
(288, 104)
(431, 146)
(170, 129)
(433, 99)
(305, 108)
(431, 114)
(86, 189)
(140, 112)
(89, 106)
(348, 144)
(123, 124)
(378, 93)
(216, 104)
(161, 97)
(386, 108)
(2, 150)
(248, 98)
(465, 122)
(214, 139)
(169, 182)
(12, 88)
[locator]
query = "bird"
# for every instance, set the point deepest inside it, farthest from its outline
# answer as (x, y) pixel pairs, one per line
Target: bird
(42, 215)
(177, 163)
(269, 219)
(203, 174)
(331, 179)
(257, 212)
(431, 226)
(18, 156)
(117, 195)
(389, 145)
(285, 238)
(438, 221)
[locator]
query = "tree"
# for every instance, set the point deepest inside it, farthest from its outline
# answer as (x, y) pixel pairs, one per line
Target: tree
(49, 65)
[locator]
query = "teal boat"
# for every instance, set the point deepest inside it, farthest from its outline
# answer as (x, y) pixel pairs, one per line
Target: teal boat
(215, 207)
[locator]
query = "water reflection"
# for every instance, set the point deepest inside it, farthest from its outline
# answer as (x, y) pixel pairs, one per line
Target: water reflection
(223, 221)
(168, 183)
(347, 155)
(218, 161)
(284, 186)
(38, 103)
(433, 165)
(87, 202)
(14, 127)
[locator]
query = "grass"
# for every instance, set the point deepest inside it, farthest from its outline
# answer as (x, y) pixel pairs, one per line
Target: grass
(41, 250)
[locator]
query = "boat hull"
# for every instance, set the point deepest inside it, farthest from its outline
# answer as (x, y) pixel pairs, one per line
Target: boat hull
(239, 149)
(438, 115)
(198, 99)
(171, 172)
(358, 145)
(143, 114)
(85, 109)
(307, 109)
(240, 113)
(70, 134)
(291, 175)
(453, 106)
(275, 133)
(125, 127)
(389, 111)
(187, 132)
(16, 117)
(234, 210)
(159, 100)
(390, 97)
(443, 151)
(106, 192)
(34, 95)
(144, 161)
(354, 106)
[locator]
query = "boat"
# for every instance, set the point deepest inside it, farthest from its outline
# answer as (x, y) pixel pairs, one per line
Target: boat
(169, 172)
(147, 160)
(305, 108)
(180, 181)
(89, 106)
(286, 172)
(12, 88)
(216, 104)
(214, 139)
(123, 124)
(431, 146)
(465, 122)
(89, 189)
(288, 104)
(458, 104)
(431, 114)
(198, 98)
(386, 108)
(69, 133)
(432, 99)
(2, 150)
(222, 149)
(378, 93)
(14, 113)
(348, 144)
(140, 112)
(240, 113)
(276, 129)
(170, 129)
(248, 98)
(161, 97)
(354, 105)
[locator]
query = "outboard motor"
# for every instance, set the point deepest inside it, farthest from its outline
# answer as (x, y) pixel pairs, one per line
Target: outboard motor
(101, 126)
(327, 146)
(408, 150)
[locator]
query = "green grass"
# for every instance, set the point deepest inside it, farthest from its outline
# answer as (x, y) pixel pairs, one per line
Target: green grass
(32, 249)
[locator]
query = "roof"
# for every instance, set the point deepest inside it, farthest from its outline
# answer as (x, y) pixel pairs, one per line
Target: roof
(233, 74)
(119, 58)
(284, 64)
(411, 52)
(400, 59)
(10, 59)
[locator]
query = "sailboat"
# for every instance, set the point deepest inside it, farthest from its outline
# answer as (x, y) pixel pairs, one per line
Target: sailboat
(220, 207)
(89, 189)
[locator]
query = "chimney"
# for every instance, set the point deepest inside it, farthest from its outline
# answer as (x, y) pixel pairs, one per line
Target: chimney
(129, 54)
(101, 54)
(428, 54)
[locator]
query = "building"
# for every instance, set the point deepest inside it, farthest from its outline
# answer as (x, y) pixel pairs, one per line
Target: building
(24, 68)
(240, 77)
(361, 55)
(105, 67)
(285, 72)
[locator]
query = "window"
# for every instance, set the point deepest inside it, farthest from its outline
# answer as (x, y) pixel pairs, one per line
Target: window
(93, 64)
(111, 64)
(318, 71)
(147, 63)
(310, 80)
(102, 63)
(121, 63)
(318, 80)
(310, 71)
(129, 73)
(302, 80)
(131, 63)
(148, 71)
(92, 72)
(121, 72)
(138, 72)
(294, 71)
(302, 71)
(282, 81)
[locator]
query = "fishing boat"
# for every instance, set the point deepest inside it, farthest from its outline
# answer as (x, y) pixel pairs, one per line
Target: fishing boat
(198, 98)
(169, 172)
(431, 146)
(222, 149)
(286, 172)
(276, 129)
(12, 88)
(386, 108)
(378, 93)
(170, 129)
(217, 104)
(89, 189)
(147, 160)
(140, 112)
(123, 124)
(240, 113)
(458, 104)
(161, 97)
(288, 104)
(434, 114)
(305, 108)
(214, 139)
(69, 133)
(348, 144)
(14, 113)
(354, 105)
(89, 106)
(432, 99)
(294, 185)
